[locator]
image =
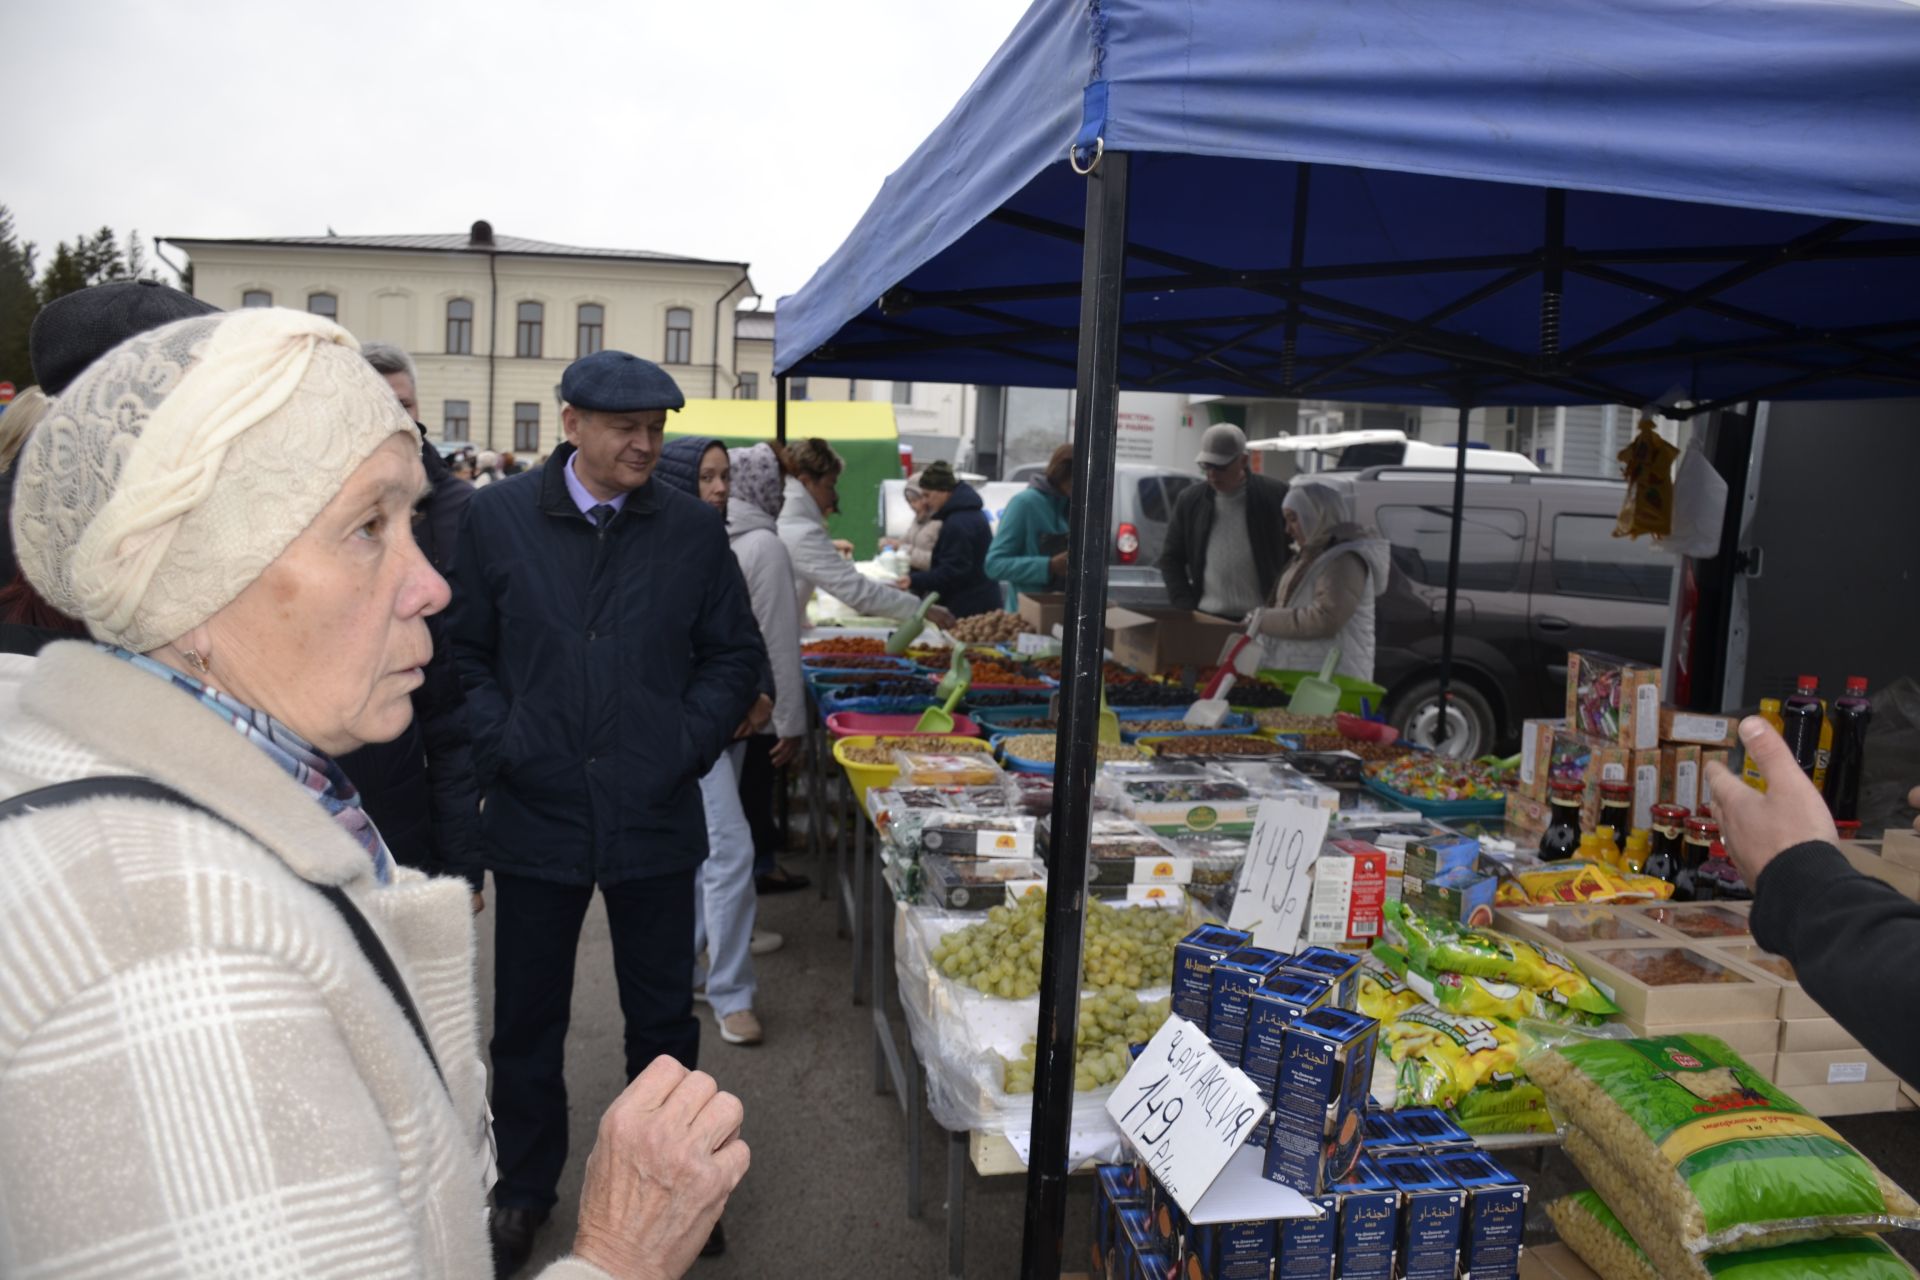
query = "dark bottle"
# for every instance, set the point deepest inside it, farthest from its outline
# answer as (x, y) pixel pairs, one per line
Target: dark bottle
(1664, 853)
(1720, 878)
(1562, 838)
(1851, 714)
(1616, 807)
(1702, 833)
(1801, 718)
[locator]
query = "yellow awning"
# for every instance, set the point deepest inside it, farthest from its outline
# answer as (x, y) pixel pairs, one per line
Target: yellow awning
(753, 420)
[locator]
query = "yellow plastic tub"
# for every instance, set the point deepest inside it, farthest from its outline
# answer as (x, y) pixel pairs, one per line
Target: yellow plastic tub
(862, 776)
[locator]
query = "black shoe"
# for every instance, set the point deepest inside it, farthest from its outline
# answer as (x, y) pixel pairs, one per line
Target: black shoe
(512, 1231)
(716, 1243)
(780, 880)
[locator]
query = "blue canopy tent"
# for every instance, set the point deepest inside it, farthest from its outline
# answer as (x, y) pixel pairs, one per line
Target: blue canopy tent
(1458, 202)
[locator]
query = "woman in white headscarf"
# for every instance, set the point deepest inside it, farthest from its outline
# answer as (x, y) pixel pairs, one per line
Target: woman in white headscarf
(1326, 596)
(235, 1036)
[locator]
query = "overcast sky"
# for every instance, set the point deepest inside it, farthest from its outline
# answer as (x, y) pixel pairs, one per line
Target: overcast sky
(733, 129)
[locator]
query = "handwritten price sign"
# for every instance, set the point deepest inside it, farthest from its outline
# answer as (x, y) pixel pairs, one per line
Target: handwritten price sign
(1185, 1110)
(1275, 880)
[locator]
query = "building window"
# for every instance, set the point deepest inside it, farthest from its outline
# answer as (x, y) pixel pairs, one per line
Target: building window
(453, 423)
(903, 393)
(593, 328)
(749, 388)
(526, 427)
(324, 304)
(256, 298)
(531, 335)
(796, 388)
(679, 336)
(459, 327)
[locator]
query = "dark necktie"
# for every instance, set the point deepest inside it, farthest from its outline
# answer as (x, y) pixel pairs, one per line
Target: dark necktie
(600, 515)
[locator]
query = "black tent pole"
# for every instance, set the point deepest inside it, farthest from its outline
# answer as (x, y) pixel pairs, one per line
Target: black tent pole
(1090, 514)
(780, 410)
(1453, 568)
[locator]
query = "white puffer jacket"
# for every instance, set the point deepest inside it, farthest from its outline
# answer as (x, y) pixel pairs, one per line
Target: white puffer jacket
(1326, 598)
(768, 569)
(817, 564)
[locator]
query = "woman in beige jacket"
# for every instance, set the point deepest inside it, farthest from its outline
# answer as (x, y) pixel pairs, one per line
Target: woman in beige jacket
(235, 1038)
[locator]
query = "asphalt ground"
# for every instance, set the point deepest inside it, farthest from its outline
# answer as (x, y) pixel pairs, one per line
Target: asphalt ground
(826, 1194)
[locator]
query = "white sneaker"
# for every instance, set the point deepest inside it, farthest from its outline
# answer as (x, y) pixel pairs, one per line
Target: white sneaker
(765, 942)
(741, 1028)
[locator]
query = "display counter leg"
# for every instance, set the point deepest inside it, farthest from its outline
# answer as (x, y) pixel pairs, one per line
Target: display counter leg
(957, 1206)
(857, 912)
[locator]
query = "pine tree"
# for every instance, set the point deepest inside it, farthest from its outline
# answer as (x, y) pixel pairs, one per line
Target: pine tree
(18, 303)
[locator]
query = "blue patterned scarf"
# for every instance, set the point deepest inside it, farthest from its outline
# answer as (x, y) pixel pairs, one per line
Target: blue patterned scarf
(321, 777)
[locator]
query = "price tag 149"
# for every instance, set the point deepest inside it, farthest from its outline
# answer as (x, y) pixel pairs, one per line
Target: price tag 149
(1185, 1110)
(1275, 879)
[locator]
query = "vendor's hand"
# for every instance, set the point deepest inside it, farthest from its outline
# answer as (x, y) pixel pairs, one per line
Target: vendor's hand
(787, 751)
(1057, 566)
(1757, 827)
(941, 616)
(844, 547)
(667, 1157)
(904, 583)
(479, 903)
(757, 719)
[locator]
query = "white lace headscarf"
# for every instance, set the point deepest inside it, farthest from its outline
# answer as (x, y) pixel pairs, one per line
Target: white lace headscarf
(1321, 509)
(184, 461)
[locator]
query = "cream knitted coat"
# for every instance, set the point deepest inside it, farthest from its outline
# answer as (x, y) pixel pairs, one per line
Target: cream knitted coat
(200, 1075)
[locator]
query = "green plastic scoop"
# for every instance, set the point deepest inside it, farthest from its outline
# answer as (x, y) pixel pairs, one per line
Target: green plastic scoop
(907, 632)
(954, 684)
(1318, 695)
(1109, 722)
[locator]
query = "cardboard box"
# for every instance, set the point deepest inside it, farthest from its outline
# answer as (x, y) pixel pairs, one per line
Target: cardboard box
(1349, 889)
(1699, 728)
(1043, 611)
(1848, 1099)
(1369, 1223)
(1814, 1035)
(1426, 859)
(1589, 762)
(1164, 641)
(1193, 959)
(1466, 896)
(1689, 985)
(1307, 1245)
(1560, 927)
(1680, 777)
(1901, 846)
(1496, 1214)
(1319, 1099)
(1230, 987)
(1231, 1250)
(1432, 1207)
(1756, 1039)
(1536, 753)
(1829, 1067)
(1869, 862)
(1795, 1003)
(1341, 972)
(1613, 700)
(1273, 1007)
(1526, 816)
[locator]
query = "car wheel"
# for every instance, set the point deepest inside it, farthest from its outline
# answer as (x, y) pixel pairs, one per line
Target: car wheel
(1470, 722)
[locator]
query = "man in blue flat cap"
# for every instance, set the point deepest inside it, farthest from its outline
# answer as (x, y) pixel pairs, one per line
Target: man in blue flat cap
(609, 652)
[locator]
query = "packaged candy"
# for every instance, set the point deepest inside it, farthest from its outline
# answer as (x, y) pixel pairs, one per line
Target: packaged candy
(1437, 945)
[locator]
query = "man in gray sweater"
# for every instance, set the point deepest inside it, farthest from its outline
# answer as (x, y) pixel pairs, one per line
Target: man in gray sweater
(1227, 542)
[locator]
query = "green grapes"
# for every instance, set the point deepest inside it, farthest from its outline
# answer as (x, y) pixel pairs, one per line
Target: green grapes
(1127, 947)
(1111, 1019)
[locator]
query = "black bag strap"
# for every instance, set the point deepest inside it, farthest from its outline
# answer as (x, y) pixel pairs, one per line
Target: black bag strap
(136, 788)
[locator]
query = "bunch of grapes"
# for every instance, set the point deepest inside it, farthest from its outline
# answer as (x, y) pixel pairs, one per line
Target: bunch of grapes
(1111, 1019)
(1128, 948)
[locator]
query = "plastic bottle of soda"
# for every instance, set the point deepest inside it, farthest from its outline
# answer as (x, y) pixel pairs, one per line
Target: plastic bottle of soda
(1851, 714)
(1801, 719)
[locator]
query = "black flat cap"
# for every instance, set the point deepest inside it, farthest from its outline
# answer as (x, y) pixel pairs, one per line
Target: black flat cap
(615, 382)
(74, 330)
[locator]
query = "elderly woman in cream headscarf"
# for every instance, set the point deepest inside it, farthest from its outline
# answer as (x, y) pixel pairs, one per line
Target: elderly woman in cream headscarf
(235, 1038)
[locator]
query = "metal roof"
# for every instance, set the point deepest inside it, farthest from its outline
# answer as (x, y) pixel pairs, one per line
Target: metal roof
(753, 324)
(451, 242)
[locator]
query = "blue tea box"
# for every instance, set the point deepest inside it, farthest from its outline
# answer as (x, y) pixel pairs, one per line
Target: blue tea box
(1193, 959)
(1320, 1099)
(1130, 1231)
(1431, 1127)
(1377, 1129)
(1466, 896)
(1270, 1011)
(1139, 1254)
(1307, 1245)
(1369, 1228)
(1496, 1219)
(1336, 968)
(1234, 979)
(1165, 1219)
(1113, 1190)
(1432, 1210)
(1231, 1250)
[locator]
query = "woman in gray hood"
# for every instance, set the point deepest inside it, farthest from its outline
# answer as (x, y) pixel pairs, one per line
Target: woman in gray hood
(1326, 596)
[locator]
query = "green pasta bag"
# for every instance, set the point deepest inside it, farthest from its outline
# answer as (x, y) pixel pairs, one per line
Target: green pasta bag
(1710, 1154)
(1439, 945)
(1590, 1229)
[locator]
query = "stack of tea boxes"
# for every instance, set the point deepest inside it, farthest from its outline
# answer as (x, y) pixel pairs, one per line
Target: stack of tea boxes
(1402, 1194)
(1616, 730)
(1677, 967)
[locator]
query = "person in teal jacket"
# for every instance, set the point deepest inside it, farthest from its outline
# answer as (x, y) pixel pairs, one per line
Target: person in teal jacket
(1029, 551)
